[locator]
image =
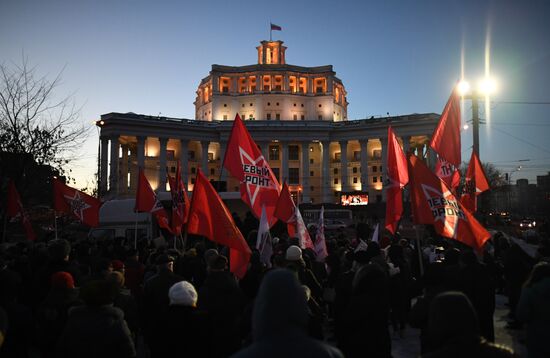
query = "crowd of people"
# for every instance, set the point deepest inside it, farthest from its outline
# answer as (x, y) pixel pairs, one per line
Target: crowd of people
(107, 298)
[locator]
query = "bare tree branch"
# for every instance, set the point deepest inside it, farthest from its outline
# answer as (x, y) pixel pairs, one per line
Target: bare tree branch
(33, 122)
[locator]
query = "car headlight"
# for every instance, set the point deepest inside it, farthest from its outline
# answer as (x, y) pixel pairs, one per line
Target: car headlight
(521, 225)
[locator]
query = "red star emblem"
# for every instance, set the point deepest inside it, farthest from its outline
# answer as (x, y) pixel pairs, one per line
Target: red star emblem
(261, 177)
(78, 205)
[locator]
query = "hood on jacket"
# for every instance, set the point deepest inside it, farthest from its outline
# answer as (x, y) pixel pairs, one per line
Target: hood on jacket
(452, 319)
(280, 306)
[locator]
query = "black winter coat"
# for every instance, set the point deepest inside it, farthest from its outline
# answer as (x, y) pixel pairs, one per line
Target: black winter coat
(279, 322)
(93, 332)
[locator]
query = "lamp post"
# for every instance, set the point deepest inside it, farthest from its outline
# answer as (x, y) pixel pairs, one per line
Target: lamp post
(484, 89)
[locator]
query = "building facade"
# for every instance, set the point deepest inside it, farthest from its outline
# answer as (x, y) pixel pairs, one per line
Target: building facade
(297, 116)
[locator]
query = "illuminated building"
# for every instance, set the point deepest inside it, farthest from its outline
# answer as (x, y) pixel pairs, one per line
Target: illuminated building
(297, 115)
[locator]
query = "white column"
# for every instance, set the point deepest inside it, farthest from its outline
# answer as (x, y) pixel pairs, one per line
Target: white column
(325, 175)
(215, 83)
(364, 165)
(329, 84)
(162, 164)
(284, 161)
(264, 148)
(305, 172)
(204, 157)
(104, 166)
(141, 152)
(124, 169)
(344, 165)
(184, 161)
(384, 142)
(113, 174)
(259, 83)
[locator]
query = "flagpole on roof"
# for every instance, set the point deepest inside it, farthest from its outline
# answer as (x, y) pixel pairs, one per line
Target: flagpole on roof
(270, 31)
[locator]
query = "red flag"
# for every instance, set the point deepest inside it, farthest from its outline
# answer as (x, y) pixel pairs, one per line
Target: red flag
(287, 212)
(210, 217)
(146, 201)
(476, 183)
(433, 203)
(448, 173)
(180, 202)
(446, 136)
(15, 210)
(69, 200)
(245, 161)
(398, 177)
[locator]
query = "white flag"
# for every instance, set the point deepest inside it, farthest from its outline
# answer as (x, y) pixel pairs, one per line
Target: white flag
(302, 232)
(375, 234)
(263, 240)
(362, 246)
(320, 243)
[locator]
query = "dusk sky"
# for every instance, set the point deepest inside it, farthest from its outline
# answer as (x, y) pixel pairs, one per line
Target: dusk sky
(399, 57)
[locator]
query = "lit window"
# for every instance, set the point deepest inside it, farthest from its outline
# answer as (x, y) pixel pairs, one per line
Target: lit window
(274, 153)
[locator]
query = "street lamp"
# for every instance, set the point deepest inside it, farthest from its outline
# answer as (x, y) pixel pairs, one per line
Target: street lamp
(485, 87)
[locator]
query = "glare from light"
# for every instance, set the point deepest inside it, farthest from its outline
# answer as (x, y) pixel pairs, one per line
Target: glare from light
(463, 87)
(465, 127)
(487, 86)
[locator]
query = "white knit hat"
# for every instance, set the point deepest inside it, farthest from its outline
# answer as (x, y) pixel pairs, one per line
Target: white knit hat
(183, 293)
(293, 253)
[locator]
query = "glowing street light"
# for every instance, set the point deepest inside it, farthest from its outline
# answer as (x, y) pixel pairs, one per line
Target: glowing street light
(486, 86)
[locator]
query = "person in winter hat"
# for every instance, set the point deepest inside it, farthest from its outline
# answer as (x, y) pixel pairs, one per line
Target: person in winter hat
(184, 325)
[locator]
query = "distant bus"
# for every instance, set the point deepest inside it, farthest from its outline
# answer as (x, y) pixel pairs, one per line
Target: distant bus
(312, 215)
